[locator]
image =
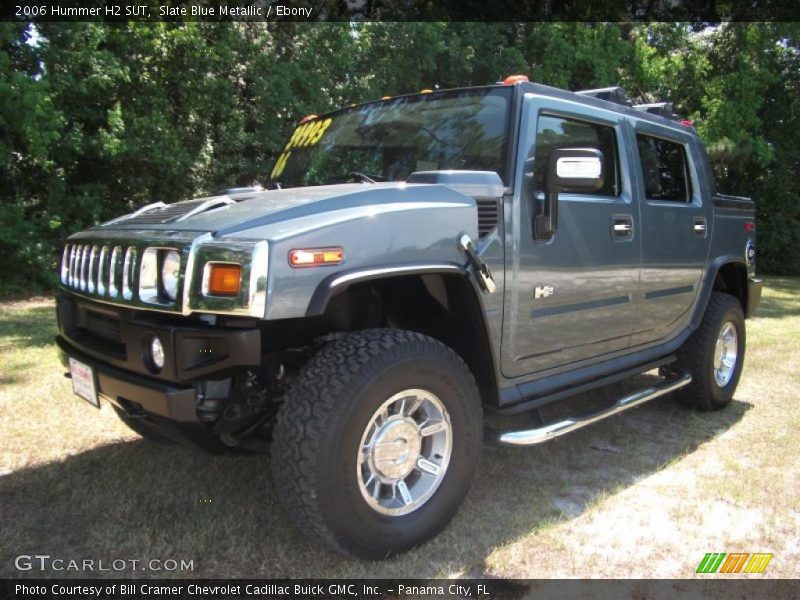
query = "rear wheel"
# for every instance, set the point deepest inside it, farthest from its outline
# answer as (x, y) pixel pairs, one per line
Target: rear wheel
(714, 355)
(377, 441)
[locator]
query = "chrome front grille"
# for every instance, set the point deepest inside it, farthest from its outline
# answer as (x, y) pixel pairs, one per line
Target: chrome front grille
(126, 271)
(106, 271)
(86, 268)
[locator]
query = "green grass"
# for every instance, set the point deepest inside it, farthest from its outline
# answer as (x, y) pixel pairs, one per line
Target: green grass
(644, 494)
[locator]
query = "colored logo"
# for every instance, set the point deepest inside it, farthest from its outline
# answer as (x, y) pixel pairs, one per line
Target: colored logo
(741, 562)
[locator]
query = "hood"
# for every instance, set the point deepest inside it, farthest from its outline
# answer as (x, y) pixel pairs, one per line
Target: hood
(215, 212)
(239, 211)
(223, 215)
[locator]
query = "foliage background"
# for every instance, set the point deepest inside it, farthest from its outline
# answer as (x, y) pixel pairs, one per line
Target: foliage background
(97, 119)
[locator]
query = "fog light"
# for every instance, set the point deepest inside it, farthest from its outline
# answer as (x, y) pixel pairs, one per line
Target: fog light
(157, 353)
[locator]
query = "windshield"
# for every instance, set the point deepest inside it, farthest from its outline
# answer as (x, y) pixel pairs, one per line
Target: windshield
(387, 141)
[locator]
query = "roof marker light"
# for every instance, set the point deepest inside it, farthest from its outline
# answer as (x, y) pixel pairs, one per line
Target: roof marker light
(512, 79)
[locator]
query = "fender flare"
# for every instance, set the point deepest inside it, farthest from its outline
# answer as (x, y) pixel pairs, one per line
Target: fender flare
(338, 282)
(707, 284)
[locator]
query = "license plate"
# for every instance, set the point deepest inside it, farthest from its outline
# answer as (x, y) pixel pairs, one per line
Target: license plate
(83, 382)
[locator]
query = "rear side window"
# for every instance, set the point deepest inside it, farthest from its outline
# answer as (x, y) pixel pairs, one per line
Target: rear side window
(553, 133)
(664, 168)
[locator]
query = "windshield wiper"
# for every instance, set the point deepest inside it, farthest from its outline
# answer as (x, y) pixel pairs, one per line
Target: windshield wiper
(363, 177)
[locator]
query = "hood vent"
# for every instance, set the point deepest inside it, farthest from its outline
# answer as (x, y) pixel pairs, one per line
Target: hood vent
(155, 214)
(485, 187)
(488, 215)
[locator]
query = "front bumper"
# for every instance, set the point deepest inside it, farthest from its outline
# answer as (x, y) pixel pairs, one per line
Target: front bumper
(164, 408)
(166, 401)
(754, 287)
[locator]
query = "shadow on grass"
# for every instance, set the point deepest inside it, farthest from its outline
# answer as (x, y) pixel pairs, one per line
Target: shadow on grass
(33, 327)
(781, 298)
(138, 500)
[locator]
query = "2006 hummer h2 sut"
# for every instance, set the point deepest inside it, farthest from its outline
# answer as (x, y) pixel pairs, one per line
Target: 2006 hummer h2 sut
(413, 263)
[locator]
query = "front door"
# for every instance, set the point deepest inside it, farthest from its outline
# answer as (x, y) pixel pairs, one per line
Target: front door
(570, 298)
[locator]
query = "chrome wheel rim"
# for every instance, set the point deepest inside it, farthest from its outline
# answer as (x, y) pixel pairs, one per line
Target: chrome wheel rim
(404, 452)
(725, 354)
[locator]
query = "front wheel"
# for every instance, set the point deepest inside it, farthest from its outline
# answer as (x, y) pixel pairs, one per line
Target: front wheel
(377, 442)
(714, 354)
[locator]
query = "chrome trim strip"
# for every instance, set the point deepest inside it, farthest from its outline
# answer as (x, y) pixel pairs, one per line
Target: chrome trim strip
(136, 213)
(63, 274)
(382, 271)
(92, 278)
(251, 299)
(259, 271)
(101, 272)
(148, 276)
(530, 437)
(188, 275)
(113, 272)
(82, 274)
(71, 265)
(129, 273)
(221, 200)
(118, 304)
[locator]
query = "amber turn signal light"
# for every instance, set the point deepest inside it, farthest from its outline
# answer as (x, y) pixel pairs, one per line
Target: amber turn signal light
(311, 257)
(224, 279)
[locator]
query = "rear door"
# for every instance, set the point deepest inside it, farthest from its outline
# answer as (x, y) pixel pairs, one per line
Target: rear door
(675, 230)
(571, 298)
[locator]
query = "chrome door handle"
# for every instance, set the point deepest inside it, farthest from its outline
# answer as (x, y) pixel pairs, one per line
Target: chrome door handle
(699, 226)
(621, 227)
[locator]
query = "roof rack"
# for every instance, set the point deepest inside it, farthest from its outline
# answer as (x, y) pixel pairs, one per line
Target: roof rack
(611, 94)
(617, 95)
(662, 109)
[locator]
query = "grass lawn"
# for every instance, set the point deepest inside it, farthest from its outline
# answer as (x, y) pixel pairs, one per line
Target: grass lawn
(644, 494)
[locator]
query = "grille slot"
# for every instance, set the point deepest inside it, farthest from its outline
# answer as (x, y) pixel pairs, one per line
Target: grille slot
(488, 216)
(103, 327)
(104, 271)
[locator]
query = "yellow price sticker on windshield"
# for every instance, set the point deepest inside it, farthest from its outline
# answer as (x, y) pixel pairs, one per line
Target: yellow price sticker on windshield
(280, 164)
(308, 134)
(305, 135)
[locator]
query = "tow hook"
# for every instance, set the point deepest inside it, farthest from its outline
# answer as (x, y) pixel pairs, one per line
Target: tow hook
(482, 272)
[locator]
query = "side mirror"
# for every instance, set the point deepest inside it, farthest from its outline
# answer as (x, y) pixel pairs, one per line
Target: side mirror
(576, 170)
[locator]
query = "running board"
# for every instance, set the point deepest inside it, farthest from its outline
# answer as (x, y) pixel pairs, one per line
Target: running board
(529, 437)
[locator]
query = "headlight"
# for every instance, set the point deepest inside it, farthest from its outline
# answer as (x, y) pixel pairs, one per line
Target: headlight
(170, 271)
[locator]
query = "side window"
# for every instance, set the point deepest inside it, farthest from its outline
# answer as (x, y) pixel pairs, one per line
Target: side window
(554, 132)
(664, 168)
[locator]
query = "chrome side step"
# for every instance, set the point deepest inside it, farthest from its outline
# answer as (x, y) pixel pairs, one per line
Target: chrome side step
(529, 437)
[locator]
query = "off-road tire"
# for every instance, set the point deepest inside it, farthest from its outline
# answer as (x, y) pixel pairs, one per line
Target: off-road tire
(321, 423)
(696, 356)
(143, 430)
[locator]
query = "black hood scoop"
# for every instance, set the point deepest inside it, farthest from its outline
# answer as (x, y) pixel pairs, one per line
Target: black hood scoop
(159, 213)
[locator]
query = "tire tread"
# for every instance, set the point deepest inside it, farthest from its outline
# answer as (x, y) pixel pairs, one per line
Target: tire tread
(307, 410)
